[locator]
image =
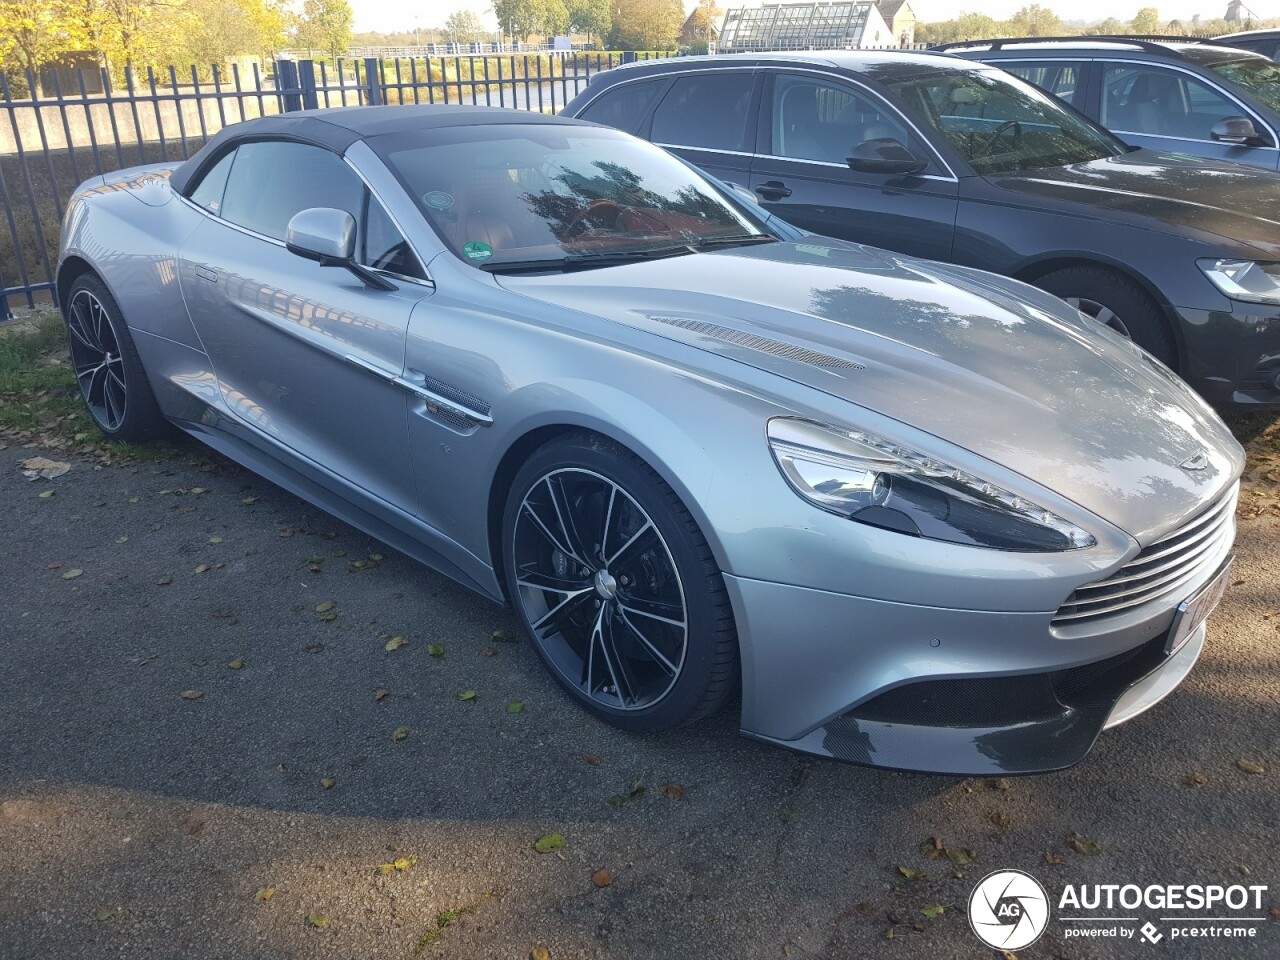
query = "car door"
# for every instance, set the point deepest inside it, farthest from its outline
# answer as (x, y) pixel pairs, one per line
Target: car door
(707, 117)
(1163, 108)
(808, 125)
(304, 354)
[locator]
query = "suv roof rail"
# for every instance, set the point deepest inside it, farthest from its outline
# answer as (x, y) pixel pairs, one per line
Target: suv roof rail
(1152, 43)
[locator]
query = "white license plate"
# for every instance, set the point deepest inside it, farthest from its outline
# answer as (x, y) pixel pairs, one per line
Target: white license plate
(1192, 613)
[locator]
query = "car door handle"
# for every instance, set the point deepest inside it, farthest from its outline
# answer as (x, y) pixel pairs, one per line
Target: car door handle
(773, 190)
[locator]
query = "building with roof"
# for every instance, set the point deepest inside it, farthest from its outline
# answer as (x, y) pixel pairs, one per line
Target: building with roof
(848, 25)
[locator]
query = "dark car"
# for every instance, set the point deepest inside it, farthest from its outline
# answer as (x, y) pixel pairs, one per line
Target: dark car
(935, 156)
(1188, 96)
(1265, 42)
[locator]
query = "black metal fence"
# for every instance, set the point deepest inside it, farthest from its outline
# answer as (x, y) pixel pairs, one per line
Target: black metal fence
(54, 135)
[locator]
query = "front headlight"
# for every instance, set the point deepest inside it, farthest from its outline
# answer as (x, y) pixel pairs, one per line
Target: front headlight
(876, 481)
(1244, 279)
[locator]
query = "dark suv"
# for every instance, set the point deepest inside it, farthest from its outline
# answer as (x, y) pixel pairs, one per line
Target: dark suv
(1189, 96)
(1265, 42)
(939, 157)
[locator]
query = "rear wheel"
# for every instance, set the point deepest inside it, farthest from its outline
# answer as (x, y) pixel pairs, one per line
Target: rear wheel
(1117, 302)
(616, 586)
(108, 371)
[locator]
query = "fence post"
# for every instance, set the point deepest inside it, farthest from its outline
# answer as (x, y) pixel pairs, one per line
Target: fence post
(374, 80)
(287, 85)
(307, 84)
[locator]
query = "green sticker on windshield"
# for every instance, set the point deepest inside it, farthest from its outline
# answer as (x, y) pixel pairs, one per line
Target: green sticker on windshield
(475, 250)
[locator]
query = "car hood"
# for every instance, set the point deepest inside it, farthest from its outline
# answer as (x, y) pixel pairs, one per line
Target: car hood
(993, 366)
(1188, 195)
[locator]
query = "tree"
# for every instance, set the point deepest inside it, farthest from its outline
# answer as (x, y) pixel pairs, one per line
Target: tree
(1109, 27)
(646, 24)
(967, 26)
(221, 29)
(700, 23)
(1035, 21)
(551, 17)
(1146, 20)
(139, 32)
(463, 26)
(33, 32)
(326, 25)
(592, 17)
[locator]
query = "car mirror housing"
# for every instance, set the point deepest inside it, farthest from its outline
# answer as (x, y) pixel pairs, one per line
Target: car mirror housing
(328, 236)
(1234, 130)
(884, 155)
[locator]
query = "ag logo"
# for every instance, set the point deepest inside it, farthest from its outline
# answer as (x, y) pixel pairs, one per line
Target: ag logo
(1008, 910)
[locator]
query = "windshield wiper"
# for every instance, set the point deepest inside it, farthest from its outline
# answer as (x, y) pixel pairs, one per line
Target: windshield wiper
(737, 239)
(586, 261)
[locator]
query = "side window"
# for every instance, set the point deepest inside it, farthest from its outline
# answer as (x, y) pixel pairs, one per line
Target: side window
(272, 180)
(1161, 103)
(705, 110)
(1058, 78)
(817, 120)
(208, 192)
(623, 106)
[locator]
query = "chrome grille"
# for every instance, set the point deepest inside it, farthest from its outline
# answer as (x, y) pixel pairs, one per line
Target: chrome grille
(1176, 562)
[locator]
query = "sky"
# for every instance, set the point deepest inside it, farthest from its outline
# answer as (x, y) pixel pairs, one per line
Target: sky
(388, 15)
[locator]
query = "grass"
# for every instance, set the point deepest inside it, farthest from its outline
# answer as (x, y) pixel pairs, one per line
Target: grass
(40, 402)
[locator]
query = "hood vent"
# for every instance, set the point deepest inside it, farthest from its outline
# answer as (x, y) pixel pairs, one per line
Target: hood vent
(775, 347)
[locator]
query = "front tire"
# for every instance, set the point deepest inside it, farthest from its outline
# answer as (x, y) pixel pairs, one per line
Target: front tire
(112, 383)
(1117, 302)
(616, 587)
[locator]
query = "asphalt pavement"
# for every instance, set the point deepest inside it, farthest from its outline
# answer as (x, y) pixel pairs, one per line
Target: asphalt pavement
(200, 757)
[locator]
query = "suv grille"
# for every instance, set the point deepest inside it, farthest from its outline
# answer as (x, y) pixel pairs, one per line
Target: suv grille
(1189, 553)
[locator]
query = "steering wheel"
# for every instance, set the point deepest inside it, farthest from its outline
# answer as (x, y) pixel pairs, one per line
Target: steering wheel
(595, 208)
(996, 134)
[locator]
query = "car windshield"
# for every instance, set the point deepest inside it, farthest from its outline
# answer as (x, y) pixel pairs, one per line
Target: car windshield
(523, 195)
(1000, 124)
(1257, 75)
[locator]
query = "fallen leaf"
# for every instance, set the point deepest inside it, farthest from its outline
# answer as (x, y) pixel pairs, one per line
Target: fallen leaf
(192, 694)
(435, 650)
(386, 869)
(122, 540)
(591, 759)
(1054, 858)
(1250, 766)
(404, 863)
(515, 706)
(73, 573)
(318, 920)
(400, 733)
(45, 494)
(932, 910)
(203, 568)
(1003, 783)
(960, 856)
(913, 874)
(602, 877)
(164, 581)
(314, 647)
(552, 841)
(1194, 780)
(617, 800)
(637, 790)
(325, 606)
(37, 467)
(237, 663)
(379, 695)
(1083, 845)
(318, 558)
(467, 695)
(328, 617)
(489, 652)
(327, 782)
(672, 791)
(376, 557)
(539, 953)
(56, 565)
(197, 490)
(108, 914)
(338, 553)
(285, 534)
(133, 500)
(395, 643)
(264, 894)
(1000, 818)
(215, 539)
(503, 636)
(249, 501)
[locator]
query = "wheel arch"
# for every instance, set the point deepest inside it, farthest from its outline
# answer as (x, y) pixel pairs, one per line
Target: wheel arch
(71, 269)
(1035, 270)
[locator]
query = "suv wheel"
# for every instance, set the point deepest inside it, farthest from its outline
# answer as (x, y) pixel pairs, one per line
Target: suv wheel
(1117, 302)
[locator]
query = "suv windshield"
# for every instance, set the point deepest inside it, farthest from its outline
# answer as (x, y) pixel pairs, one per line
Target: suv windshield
(1000, 124)
(526, 195)
(1259, 76)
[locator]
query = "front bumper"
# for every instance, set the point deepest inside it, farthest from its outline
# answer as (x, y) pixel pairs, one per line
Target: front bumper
(1233, 359)
(937, 690)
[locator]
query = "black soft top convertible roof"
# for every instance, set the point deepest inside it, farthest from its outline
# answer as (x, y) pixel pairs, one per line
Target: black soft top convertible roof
(338, 127)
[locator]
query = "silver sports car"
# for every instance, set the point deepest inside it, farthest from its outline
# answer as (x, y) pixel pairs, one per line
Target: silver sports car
(921, 516)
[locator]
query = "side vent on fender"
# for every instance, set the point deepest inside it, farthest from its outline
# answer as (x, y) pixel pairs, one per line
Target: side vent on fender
(752, 342)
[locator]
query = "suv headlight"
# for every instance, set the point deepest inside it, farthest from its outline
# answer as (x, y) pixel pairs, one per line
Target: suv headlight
(1244, 279)
(873, 480)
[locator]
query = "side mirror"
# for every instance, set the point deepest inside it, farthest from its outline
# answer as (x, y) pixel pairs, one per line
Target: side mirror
(328, 236)
(1234, 130)
(884, 155)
